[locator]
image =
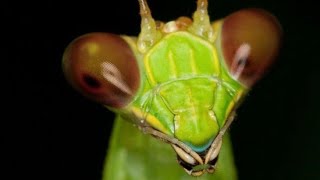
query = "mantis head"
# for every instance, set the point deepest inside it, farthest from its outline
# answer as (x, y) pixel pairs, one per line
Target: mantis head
(180, 81)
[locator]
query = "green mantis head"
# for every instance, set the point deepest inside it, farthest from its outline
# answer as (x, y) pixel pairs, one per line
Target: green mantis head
(179, 81)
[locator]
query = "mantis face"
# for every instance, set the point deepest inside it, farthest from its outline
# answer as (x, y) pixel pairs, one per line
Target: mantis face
(179, 81)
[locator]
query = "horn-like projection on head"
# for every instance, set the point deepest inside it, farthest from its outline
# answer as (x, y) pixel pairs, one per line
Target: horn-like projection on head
(149, 34)
(201, 22)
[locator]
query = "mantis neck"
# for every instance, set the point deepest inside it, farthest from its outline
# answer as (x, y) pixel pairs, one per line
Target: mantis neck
(133, 155)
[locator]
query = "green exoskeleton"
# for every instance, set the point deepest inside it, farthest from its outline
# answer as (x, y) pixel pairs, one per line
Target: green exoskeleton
(179, 82)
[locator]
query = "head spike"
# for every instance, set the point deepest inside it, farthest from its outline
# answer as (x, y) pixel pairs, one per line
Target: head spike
(144, 9)
(149, 34)
(201, 21)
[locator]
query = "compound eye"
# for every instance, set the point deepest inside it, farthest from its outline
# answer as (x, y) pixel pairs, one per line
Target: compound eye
(103, 68)
(250, 43)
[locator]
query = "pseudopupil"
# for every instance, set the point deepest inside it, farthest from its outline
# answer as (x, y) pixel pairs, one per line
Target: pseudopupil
(91, 81)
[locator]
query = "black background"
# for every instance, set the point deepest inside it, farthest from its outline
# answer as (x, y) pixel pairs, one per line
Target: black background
(55, 133)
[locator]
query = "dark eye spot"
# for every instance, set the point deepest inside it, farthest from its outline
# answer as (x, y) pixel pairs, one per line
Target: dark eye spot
(242, 62)
(91, 81)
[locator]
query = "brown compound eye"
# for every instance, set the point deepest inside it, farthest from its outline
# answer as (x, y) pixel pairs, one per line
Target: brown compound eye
(103, 68)
(250, 43)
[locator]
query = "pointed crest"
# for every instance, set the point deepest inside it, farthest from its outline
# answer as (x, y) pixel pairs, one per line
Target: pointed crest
(201, 21)
(149, 34)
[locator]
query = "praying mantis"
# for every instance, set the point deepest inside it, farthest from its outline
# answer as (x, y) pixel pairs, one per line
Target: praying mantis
(175, 89)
